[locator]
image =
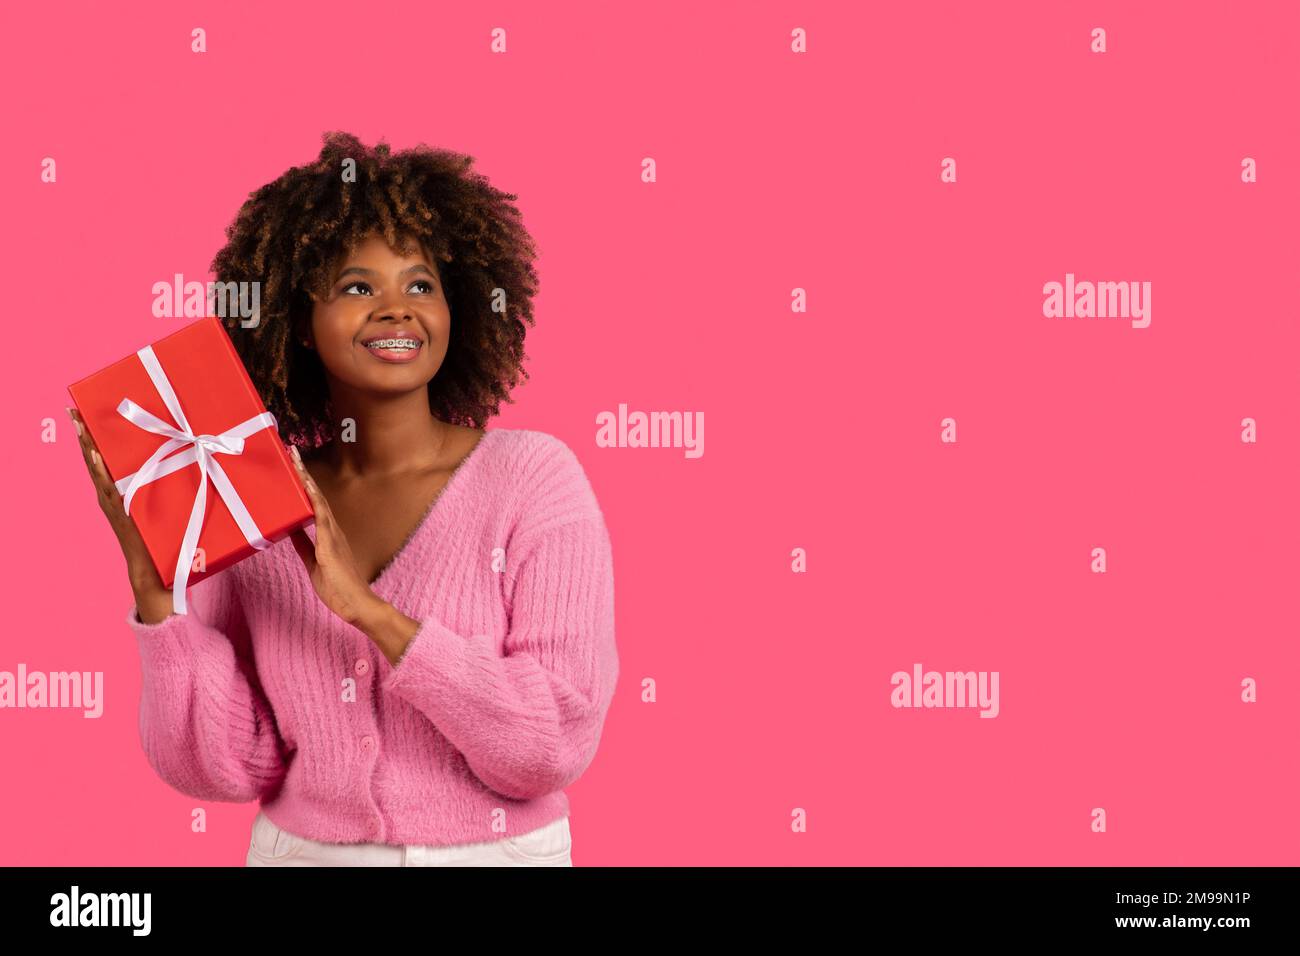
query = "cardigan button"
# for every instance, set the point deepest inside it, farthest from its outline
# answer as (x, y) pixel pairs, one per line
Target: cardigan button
(367, 742)
(362, 666)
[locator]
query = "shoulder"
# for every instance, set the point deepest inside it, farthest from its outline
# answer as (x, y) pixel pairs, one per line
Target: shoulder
(533, 453)
(550, 483)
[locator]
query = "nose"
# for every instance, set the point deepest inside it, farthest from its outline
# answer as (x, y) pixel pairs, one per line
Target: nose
(391, 304)
(394, 309)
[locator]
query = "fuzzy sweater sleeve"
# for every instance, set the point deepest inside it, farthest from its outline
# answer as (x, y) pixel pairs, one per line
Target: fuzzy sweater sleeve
(528, 720)
(206, 726)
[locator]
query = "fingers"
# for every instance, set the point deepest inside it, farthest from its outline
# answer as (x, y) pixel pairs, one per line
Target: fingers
(326, 529)
(317, 499)
(83, 437)
(309, 552)
(109, 495)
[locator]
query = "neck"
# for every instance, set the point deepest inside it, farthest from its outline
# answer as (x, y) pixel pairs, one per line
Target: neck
(391, 434)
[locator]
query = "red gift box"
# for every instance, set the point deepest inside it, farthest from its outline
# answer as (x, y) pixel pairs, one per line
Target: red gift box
(178, 421)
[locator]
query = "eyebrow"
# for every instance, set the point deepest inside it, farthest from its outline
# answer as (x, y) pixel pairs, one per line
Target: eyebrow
(420, 267)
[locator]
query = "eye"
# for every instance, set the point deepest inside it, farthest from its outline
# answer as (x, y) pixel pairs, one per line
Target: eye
(423, 282)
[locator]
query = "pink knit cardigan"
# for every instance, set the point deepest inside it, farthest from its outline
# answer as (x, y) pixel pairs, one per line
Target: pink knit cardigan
(261, 693)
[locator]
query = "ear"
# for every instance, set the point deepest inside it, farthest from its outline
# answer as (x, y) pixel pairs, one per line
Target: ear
(302, 334)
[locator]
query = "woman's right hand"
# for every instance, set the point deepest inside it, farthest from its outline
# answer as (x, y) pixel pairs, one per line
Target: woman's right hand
(153, 600)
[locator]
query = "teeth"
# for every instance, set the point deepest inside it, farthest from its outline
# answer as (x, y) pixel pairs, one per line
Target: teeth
(399, 345)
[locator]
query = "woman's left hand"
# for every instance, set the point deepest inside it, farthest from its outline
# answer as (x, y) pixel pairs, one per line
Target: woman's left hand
(330, 564)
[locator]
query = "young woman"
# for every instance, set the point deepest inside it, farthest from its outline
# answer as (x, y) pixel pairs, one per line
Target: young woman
(415, 678)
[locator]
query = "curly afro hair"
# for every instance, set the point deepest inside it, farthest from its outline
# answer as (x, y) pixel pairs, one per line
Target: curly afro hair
(290, 233)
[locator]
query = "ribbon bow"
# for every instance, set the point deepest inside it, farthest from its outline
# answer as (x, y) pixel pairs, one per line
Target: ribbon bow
(201, 448)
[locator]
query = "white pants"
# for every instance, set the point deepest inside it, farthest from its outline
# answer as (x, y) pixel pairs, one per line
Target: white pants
(271, 845)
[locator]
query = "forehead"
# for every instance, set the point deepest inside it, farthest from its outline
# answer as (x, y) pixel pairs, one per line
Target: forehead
(374, 253)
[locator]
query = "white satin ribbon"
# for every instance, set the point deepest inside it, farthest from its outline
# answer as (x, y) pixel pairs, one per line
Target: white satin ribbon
(203, 449)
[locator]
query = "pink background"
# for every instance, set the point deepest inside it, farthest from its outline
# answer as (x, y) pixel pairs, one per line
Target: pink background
(775, 171)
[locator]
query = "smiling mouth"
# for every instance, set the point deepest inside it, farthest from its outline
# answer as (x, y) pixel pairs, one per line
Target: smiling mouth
(393, 345)
(394, 349)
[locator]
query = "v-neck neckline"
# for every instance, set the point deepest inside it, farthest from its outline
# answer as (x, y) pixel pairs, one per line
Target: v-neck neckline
(454, 480)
